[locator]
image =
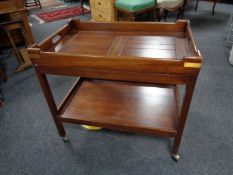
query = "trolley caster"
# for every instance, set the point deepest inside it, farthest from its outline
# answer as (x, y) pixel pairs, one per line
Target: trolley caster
(175, 157)
(65, 139)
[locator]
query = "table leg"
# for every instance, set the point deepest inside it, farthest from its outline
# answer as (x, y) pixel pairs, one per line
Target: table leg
(215, 2)
(17, 54)
(51, 103)
(81, 2)
(196, 5)
(182, 118)
(183, 9)
(213, 12)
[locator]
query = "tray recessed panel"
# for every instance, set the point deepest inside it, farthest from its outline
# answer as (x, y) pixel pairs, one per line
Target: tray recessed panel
(86, 43)
(102, 43)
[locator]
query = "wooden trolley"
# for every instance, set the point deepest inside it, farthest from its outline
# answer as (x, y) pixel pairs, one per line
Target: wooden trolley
(129, 75)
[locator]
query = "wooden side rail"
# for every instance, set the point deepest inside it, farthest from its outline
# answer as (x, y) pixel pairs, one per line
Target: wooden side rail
(56, 37)
(179, 26)
(69, 95)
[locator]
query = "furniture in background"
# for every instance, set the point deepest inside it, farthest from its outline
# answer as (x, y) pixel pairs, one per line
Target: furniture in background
(102, 10)
(81, 3)
(4, 78)
(229, 37)
(15, 29)
(231, 56)
(21, 53)
(14, 10)
(214, 4)
(3, 75)
(164, 6)
(128, 81)
(32, 3)
(229, 31)
(132, 8)
(1, 99)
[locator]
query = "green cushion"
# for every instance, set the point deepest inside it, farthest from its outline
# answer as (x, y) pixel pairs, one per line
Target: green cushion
(134, 5)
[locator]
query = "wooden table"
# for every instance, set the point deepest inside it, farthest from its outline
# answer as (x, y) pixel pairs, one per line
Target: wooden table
(15, 10)
(129, 75)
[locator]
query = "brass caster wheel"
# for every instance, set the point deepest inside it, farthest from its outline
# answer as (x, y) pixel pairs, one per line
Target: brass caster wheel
(65, 139)
(175, 157)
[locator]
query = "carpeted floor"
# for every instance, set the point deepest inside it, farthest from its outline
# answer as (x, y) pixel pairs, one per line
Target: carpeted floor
(51, 3)
(30, 145)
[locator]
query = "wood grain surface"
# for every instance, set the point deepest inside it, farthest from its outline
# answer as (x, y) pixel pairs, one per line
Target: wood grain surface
(121, 65)
(114, 104)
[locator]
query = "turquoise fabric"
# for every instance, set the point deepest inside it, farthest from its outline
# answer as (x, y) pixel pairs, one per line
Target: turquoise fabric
(134, 5)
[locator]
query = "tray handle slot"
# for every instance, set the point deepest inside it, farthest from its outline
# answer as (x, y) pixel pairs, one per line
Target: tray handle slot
(56, 38)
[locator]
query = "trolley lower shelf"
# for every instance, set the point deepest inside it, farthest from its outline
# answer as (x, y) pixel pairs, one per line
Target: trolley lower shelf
(122, 106)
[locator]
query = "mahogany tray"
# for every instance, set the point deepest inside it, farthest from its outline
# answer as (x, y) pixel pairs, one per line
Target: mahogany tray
(128, 75)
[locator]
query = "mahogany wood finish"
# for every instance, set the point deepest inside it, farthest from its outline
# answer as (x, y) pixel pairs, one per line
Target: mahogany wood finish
(129, 72)
(124, 104)
(51, 103)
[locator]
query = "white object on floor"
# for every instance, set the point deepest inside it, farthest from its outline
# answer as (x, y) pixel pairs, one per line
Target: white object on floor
(229, 31)
(231, 56)
(38, 19)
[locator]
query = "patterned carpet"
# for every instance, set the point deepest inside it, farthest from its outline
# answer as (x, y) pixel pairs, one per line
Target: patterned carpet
(55, 15)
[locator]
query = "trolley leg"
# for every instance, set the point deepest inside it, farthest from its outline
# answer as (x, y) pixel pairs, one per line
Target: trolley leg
(65, 139)
(182, 118)
(175, 157)
(51, 103)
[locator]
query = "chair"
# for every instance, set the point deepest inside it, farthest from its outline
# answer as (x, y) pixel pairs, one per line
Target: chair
(32, 3)
(134, 7)
(21, 53)
(215, 2)
(164, 6)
